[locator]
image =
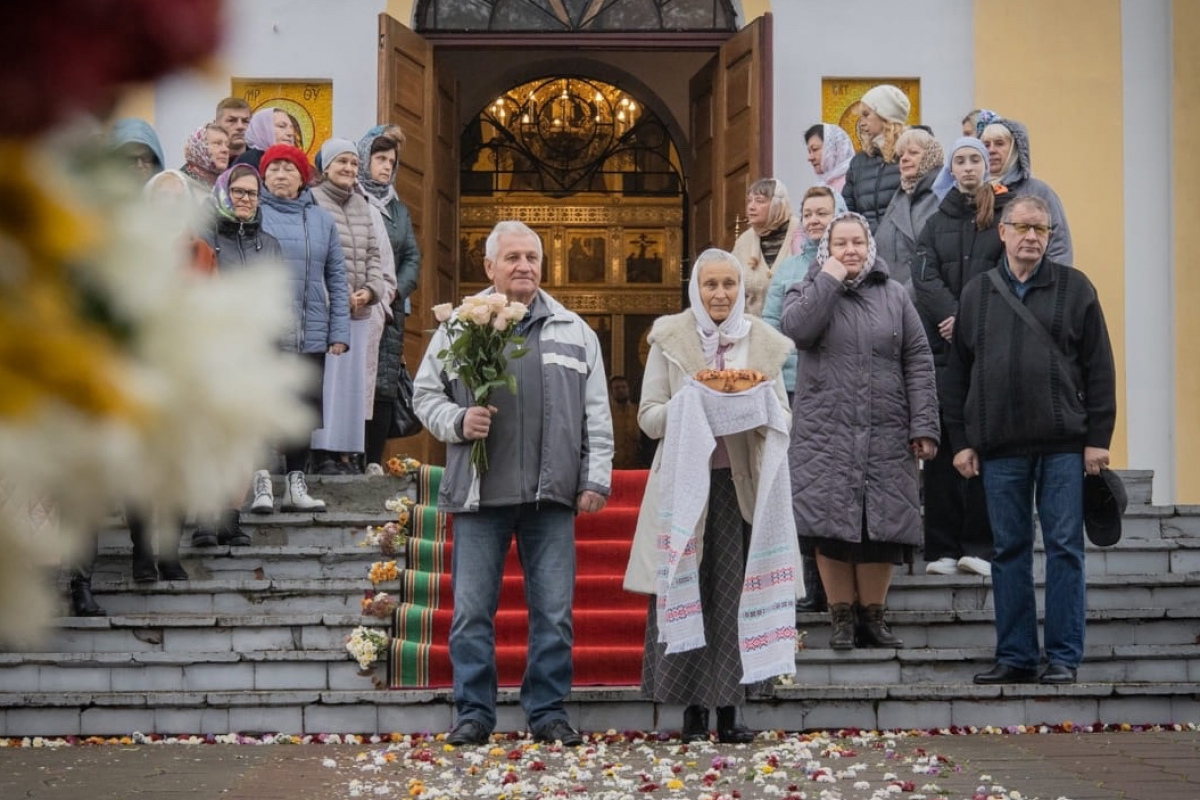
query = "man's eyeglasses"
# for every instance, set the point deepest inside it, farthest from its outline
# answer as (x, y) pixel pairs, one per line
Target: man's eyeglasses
(1023, 228)
(243, 194)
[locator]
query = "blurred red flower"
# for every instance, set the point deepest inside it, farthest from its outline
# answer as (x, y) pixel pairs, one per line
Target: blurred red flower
(63, 57)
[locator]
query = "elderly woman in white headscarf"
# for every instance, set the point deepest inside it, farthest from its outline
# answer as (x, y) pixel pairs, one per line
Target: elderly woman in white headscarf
(721, 507)
(768, 240)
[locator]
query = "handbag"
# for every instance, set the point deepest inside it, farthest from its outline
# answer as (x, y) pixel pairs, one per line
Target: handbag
(404, 419)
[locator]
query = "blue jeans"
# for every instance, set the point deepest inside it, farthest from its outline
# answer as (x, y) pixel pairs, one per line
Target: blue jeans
(1011, 486)
(546, 545)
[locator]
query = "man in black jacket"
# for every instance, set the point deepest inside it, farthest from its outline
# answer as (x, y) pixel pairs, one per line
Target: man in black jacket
(1031, 405)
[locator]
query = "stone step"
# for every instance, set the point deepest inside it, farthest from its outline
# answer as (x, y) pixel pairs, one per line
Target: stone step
(342, 595)
(329, 529)
(868, 707)
(205, 633)
(180, 633)
(216, 596)
(224, 671)
(908, 666)
(287, 562)
(1110, 592)
(957, 629)
(257, 668)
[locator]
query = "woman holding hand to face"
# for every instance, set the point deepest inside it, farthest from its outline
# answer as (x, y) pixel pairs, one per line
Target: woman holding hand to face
(866, 403)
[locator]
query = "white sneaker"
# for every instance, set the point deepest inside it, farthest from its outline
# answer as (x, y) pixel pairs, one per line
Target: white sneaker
(264, 494)
(373, 471)
(975, 565)
(296, 496)
(943, 566)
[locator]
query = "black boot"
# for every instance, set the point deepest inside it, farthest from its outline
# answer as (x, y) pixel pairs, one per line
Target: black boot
(82, 602)
(172, 571)
(229, 530)
(695, 724)
(729, 730)
(814, 592)
(842, 617)
(144, 568)
(873, 630)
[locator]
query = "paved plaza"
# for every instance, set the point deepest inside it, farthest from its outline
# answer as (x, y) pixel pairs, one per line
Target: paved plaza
(1151, 765)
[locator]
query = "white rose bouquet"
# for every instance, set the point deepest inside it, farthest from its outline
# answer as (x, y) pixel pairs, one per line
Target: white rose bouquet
(480, 330)
(366, 645)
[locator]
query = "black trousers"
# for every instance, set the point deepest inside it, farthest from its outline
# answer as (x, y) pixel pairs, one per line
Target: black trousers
(296, 456)
(956, 520)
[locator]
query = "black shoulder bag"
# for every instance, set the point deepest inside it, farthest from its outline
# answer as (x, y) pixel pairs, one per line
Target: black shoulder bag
(404, 418)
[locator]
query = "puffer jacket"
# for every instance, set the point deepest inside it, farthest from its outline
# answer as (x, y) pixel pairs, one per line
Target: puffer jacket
(950, 252)
(870, 186)
(1020, 181)
(360, 249)
(902, 223)
(312, 251)
(240, 244)
(407, 253)
(864, 390)
(675, 356)
(786, 275)
(577, 437)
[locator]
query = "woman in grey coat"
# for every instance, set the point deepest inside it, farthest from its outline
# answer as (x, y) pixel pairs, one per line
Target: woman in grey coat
(866, 403)
(921, 158)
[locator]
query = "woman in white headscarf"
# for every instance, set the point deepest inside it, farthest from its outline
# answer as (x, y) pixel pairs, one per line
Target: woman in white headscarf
(768, 241)
(829, 152)
(715, 333)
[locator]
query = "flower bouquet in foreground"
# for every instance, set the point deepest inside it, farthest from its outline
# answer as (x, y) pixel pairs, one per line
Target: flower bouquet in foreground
(366, 645)
(480, 330)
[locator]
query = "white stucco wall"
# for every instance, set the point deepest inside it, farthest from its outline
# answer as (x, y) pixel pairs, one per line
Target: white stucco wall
(927, 39)
(295, 39)
(1149, 305)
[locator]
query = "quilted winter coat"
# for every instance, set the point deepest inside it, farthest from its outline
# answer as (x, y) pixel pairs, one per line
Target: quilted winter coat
(864, 390)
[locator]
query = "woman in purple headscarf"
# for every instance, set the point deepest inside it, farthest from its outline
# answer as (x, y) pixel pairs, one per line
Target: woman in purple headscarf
(268, 126)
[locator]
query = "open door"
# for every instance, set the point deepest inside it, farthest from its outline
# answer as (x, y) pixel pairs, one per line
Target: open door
(413, 95)
(731, 133)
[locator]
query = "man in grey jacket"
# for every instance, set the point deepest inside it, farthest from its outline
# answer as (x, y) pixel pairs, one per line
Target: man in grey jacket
(549, 451)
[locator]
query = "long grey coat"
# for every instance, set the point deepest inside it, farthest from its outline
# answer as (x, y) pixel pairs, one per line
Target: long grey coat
(902, 224)
(864, 390)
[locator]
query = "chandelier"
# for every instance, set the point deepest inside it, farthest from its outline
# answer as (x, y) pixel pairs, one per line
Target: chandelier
(565, 133)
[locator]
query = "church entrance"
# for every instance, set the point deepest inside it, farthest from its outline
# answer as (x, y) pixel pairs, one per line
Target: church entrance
(627, 154)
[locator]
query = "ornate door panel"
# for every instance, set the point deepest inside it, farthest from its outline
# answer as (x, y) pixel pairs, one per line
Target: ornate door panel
(730, 132)
(413, 95)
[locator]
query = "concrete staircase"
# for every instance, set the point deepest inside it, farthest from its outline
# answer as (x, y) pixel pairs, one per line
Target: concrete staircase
(254, 643)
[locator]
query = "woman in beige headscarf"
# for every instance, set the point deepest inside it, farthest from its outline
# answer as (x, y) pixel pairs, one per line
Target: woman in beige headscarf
(767, 242)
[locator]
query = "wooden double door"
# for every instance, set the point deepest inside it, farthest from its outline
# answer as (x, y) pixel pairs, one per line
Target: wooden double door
(729, 129)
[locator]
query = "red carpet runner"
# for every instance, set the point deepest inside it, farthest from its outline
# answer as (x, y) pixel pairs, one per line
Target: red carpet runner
(610, 623)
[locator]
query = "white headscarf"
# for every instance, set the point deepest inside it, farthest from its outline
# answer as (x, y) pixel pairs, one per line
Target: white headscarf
(735, 327)
(836, 152)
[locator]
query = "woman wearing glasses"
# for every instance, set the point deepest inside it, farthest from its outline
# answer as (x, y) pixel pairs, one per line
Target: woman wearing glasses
(1009, 165)
(237, 239)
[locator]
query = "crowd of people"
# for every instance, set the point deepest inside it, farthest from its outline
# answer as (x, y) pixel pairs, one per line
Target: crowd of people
(249, 195)
(922, 306)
